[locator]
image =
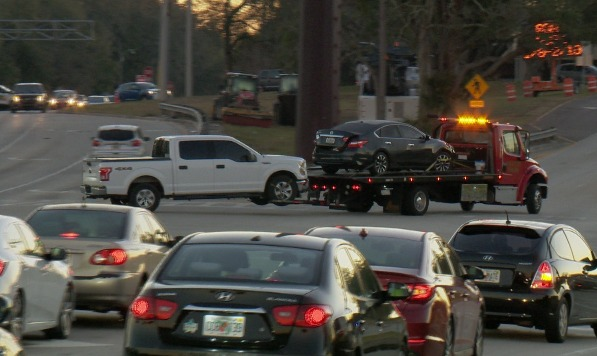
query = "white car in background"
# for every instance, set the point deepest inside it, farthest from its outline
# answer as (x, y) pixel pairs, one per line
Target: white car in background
(118, 141)
(5, 96)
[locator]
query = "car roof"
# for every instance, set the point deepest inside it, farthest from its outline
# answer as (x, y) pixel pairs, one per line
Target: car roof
(118, 127)
(260, 238)
(364, 231)
(203, 137)
(6, 219)
(538, 226)
(93, 206)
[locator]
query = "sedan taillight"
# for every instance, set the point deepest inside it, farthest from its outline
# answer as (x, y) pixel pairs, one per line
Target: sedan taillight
(306, 316)
(3, 265)
(543, 278)
(357, 144)
(149, 308)
(420, 293)
(109, 257)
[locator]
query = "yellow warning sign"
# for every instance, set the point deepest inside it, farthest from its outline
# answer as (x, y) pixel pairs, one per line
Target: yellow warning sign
(477, 86)
(476, 104)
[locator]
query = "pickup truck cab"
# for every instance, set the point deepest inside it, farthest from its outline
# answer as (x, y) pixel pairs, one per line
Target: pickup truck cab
(195, 167)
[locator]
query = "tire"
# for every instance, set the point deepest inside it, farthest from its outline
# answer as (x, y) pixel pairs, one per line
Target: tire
(491, 325)
(594, 326)
(556, 328)
(449, 340)
(259, 200)
(380, 165)
(467, 205)
(533, 199)
(144, 196)
(282, 188)
(479, 337)
(415, 202)
(16, 317)
(359, 205)
(329, 169)
(443, 162)
(65, 320)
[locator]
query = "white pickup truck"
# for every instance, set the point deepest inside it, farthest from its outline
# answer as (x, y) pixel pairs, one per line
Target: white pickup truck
(195, 167)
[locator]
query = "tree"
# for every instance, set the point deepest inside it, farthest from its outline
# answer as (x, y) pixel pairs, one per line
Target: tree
(235, 20)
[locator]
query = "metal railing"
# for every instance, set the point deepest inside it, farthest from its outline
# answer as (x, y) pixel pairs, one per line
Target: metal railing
(184, 112)
(548, 134)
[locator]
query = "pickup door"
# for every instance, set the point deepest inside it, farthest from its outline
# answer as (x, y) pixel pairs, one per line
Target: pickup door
(217, 166)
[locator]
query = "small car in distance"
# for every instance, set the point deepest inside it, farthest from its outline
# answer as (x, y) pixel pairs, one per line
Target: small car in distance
(265, 293)
(269, 79)
(98, 100)
(5, 97)
(36, 283)
(118, 140)
(538, 274)
(379, 146)
(112, 249)
(444, 312)
(29, 96)
(136, 91)
(62, 98)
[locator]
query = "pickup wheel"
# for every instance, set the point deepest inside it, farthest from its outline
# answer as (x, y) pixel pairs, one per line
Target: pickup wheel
(533, 199)
(144, 196)
(415, 202)
(282, 189)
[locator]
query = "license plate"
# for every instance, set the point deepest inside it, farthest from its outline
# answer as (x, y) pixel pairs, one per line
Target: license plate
(115, 145)
(330, 140)
(227, 326)
(491, 276)
(463, 157)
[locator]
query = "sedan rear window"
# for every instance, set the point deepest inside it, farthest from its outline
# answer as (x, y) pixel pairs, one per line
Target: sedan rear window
(116, 135)
(497, 240)
(79, 224)
(263, 263)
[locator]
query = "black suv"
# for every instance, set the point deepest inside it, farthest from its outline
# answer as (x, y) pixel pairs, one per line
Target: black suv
(540, 275)
(29, 96)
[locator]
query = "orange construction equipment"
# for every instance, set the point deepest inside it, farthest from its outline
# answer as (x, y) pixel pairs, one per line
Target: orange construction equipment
(511, 92)
(527, 87)
(592, 83)
(568, 87)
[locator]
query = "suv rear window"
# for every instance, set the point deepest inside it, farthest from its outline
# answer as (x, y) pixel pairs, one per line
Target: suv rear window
(496, 239)
(116, 135)
(78, 223)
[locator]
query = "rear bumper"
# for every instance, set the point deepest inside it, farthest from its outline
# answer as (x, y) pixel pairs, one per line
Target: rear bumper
(525, 309)
(94, 191)
(112, 291)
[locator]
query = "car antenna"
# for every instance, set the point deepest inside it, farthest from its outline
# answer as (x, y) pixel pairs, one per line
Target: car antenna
(508, 222)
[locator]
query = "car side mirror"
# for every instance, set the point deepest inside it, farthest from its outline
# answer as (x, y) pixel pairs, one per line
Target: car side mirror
(172, 242)
(473, 273)
(398, 291)
(57, 254)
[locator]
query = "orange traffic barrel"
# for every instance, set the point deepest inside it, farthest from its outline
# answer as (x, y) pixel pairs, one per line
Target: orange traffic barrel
(568, 87)
(592, 83)
(527, 87)
(511, 92)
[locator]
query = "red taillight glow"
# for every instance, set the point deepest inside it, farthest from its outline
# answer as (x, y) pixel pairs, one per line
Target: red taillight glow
(104, 173)
(543, 278)
(95, 143)
(111, 257)
(420, 292)
(357, 144)
(356, 187)
(306, 316)
(69, 235)
(136, 143)
(3, 265)
(148, 308)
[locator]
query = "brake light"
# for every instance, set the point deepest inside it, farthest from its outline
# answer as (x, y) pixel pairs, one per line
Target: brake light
(420, 293)
(95, 143)
(109, 257)
(543, 278)
(306, 316)
(69, 235)
(136, 143)
(104, 173)
(3, 265)
(149, 308)
(357, 144)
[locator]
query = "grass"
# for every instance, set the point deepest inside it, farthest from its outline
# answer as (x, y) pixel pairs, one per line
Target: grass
(280, 139)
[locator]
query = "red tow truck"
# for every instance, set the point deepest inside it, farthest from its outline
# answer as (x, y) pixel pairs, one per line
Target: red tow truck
(492, 166)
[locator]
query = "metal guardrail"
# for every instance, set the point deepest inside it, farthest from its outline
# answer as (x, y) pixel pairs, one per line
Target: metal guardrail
(543, 135)
(188, 113)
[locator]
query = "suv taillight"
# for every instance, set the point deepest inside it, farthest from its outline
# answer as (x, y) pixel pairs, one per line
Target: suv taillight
(543, 278)
(136, 143)
(95, 143)
(306, 316)
(110, 257)
(149, 308)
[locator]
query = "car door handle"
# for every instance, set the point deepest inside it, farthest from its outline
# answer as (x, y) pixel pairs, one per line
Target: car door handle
(220, 166)
(183, 167)
(410, 145)
(388, 142)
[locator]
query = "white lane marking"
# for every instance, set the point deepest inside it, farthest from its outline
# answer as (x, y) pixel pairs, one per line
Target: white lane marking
(44, 177)
(29, 344)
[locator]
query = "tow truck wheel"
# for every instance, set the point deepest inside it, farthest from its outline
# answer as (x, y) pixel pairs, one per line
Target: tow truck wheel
(533, 199)
(467, 205)
(443, 162)
(329, 170)
(282, 188)
(359, 205)
(144, 196)
(416, 201)
(381, 163)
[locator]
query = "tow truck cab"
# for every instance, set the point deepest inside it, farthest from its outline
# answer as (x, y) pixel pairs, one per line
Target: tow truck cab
(501, 149)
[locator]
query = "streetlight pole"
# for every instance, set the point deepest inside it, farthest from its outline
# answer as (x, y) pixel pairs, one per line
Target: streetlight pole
(381, 74)
(189, 51)
(163, 60)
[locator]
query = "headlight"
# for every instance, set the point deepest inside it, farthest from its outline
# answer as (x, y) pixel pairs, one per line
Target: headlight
(53, 101)
(16, 98)
(39, 98)
(150, 92)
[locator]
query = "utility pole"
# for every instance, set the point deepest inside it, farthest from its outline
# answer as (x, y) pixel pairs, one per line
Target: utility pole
(163, 60)
(189, 51)
(382, 66)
